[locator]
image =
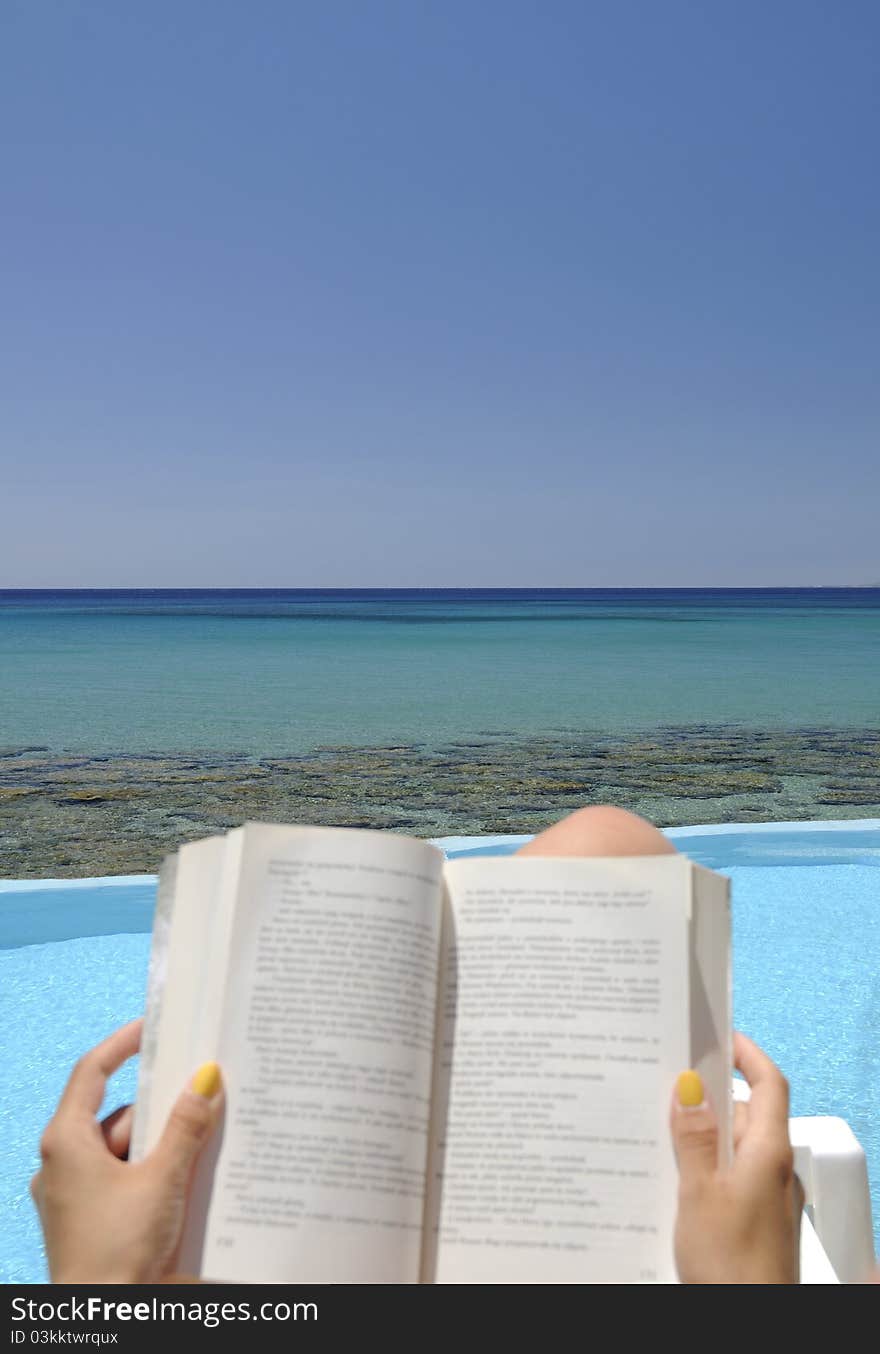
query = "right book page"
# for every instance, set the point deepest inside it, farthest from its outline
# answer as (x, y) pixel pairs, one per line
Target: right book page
(564, 1021)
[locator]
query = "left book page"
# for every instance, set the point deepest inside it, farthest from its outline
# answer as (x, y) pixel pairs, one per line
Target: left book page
(318, 1001)
(186, 906)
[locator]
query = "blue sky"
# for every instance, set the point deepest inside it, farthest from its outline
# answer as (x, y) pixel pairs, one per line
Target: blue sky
(426, 294)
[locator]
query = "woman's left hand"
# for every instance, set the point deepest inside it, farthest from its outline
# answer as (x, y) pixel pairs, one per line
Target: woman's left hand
(107, 1220)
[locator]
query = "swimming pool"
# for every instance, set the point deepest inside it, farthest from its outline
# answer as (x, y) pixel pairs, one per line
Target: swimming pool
(806, 915)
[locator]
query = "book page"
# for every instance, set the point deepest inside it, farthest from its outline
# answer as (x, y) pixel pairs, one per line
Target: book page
(326, 1044)
(156, 976)
(565, 1022)
(179, 972)
(712, 997)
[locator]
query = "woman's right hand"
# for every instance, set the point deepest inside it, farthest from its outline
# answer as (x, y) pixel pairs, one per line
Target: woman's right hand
(737, 1224)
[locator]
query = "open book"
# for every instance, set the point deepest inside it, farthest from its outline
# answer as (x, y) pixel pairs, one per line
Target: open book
(450, 1072)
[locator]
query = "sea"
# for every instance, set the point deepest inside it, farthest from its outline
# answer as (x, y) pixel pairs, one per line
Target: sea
(284, 671)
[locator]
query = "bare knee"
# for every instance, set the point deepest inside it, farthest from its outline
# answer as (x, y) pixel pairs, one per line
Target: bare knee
(599, 830)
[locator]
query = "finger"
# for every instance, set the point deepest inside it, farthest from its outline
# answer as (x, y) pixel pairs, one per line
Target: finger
(740, 1122)
(88, 1080)
(768, 1103)
(694, 1131)
(116, 1130)
(191, 1122)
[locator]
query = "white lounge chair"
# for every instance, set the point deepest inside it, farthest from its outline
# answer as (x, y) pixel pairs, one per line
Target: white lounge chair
(837, 1242)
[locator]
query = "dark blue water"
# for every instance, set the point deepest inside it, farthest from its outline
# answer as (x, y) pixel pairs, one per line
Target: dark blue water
(435, 604)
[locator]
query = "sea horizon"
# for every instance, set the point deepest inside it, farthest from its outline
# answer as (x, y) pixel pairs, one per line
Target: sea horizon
(48, 590)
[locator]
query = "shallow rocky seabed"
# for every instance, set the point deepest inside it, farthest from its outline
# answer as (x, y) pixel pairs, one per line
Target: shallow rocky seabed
(78, 815)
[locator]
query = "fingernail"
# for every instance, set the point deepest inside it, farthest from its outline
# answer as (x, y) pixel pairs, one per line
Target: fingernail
(689, 1089)
(207, 1080)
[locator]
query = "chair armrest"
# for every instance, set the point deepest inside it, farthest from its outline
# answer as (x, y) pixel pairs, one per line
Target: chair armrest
(831, 1164)
(815, 1265)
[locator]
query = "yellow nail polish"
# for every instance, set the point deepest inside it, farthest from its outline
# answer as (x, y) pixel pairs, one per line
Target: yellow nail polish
(207, 1080)
(689, 1089)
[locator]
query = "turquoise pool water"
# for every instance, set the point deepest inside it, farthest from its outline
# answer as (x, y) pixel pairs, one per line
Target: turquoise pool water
(73, 958)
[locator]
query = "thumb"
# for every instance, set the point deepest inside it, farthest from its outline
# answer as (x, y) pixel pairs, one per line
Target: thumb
(191, 1122)
(694, 1130)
